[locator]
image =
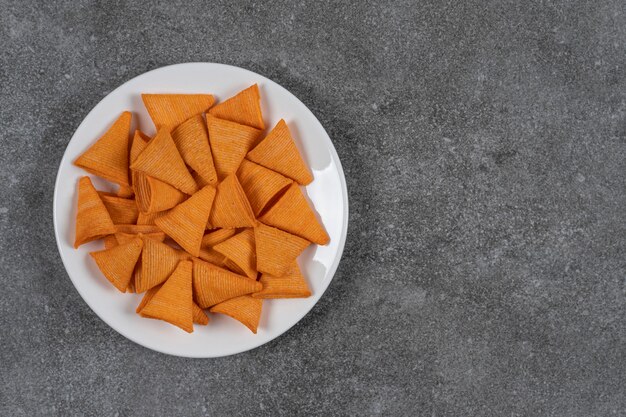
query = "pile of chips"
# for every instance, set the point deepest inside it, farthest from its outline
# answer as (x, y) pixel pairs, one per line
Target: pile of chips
(209, 213)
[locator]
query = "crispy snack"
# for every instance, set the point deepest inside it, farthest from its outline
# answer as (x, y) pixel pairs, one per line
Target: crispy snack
(293, 214)
(162, 161)
(149, 219)
(173, 302)
(121, 210)
(110, 242)
(212, 284)
(108, 157)
(279, 153)
(260, 184)
(244, 108)
(118, 263)
(186, 222)
(126, 237)
(170, 110)
(136, 228)
(155, 195)
(147, 297)
(140, 142)
(230, 142)
(199, 316)
(158, 261)
(231, 207)
(192, 141)
(290, 285)
(125, 191)
(240, 250)
(216, 236)
(211, 256)
(245, 309)
(276, 250)
(92, 218)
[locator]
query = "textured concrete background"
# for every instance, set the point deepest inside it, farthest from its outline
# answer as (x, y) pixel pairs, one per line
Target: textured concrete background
(484, 145)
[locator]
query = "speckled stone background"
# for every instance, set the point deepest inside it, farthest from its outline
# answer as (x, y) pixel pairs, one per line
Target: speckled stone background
(484, 146)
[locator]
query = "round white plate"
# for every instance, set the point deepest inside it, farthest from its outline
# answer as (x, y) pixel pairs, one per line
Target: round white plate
(328, 194)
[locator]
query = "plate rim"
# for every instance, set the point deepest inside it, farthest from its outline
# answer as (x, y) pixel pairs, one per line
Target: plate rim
(331, 271)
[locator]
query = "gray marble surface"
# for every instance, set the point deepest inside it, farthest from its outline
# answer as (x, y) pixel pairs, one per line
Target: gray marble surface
(484, 146)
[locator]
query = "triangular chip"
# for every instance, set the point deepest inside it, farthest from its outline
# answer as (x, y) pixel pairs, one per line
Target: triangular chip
(147, 297)
(136, 228)
(118, 264)
(162, 161)
(170, 110)
(231, 207)
(126, 237)
(110, 242)
(186, 222)
(279, 153)
(233, 267)
(199, 316)
(192, 141)
(293, 214)
(158, 261)
(92, 218)
(260, 184)
(125, 191)
(150, 219)
(276, 250)
(108, 157)
(154, 195)
(211, 256)
(246, 310)
(121, 210)
(211, 239)
(244, 108)
(290, 285)
(230, 142)
(140, 142)
(173, 302)
(212, 284)
(240, 250)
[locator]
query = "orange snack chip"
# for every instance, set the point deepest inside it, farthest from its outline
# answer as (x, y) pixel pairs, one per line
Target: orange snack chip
(212, 284)
(192, 141)
(136, 228)
(260, 184)
(186, 222)
(147, 297)
(293, 214)
(199, 316)
(279, 153)
(158, 261)
(231, 207)
(121, 210)
(173, 302)
(170, 110)
(145, 219)
(118, 263)
(216, 236)
(110, 242)
(245, 309)
(154, 195)
(211, 256)
(162, 161)
(276, 250)
(290, 285)
(126, 237)
(230, 142)
(125, 191)
(243, 108)
(108, 157)
(240, 250)
(92, 218)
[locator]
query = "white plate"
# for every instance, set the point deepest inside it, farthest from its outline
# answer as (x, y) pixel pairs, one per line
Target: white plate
(223, 336)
